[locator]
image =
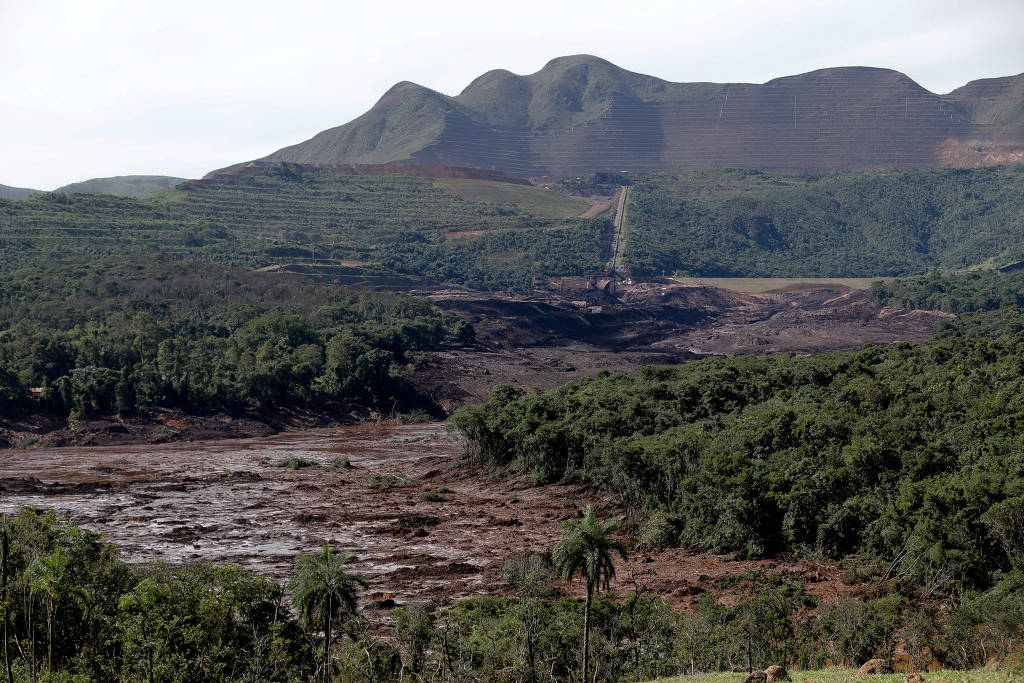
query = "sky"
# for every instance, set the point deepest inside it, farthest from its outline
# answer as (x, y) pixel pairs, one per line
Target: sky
(99, 88)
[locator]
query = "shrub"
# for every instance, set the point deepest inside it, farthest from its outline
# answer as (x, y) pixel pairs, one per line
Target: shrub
(295, 463)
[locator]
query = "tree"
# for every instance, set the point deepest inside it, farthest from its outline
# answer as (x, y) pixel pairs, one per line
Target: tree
(1006, 520)
(528, 575)
(588, 547)
(49, 577)
(323, 590)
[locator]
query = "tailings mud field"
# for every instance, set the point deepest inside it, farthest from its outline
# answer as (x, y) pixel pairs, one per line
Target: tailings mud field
(230, 502)
(545, 339)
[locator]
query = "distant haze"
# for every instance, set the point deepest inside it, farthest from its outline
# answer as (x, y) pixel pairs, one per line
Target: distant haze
(112, 87)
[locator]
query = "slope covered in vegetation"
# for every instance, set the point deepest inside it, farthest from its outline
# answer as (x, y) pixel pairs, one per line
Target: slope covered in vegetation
(140, 186)
(987, 303)
(751, 224)
(352, 227)
(899, 452)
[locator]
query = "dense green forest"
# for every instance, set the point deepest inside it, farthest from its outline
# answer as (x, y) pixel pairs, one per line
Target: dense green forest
(749, 223)
(74, 611)
(986, 303)
(908, 452)
(353, 228)
(122, 336)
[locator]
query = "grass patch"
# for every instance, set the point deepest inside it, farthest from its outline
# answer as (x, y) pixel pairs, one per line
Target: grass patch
(526, 198)
(410, 418)
(759, 285)
(435, 495)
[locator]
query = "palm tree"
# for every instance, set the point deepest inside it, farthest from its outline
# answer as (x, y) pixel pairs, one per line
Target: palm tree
(322, 590)
(49, 577)
(588, 547)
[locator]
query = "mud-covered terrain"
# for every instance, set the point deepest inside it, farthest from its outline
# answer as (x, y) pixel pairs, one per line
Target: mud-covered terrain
(545, 339)
(230, 501)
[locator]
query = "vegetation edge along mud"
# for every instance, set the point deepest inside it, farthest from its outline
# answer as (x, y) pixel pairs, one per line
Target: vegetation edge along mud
(581, 376)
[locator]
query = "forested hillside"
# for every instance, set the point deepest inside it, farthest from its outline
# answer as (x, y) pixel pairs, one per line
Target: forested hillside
(355, 228)
(380, 229)
(122, 337)
(987, 303)
(747, 223)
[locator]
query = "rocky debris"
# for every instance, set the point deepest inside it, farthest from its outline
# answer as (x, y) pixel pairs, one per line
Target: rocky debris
(29, 485)
(413, 524)
(874, 666)
(776, 673)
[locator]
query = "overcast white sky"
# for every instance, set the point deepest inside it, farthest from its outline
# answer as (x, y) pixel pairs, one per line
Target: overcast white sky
(92, 88)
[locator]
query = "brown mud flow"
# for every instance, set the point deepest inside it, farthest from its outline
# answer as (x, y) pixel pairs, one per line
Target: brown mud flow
(230, 502)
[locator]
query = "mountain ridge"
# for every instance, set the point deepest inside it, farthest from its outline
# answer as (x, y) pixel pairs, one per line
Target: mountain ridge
(17, 193)
(581, 113)
(138, 186)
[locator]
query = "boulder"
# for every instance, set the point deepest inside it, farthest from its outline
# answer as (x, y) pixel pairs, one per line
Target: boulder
(776, 673)
(874, 666)
(755, 677)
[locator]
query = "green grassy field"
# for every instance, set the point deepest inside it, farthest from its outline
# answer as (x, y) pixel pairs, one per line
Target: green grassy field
(526, 198)
(759, 285)
(843, 675)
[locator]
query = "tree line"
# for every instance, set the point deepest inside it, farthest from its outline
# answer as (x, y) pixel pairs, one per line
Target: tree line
(122, 337)
(986, 303)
